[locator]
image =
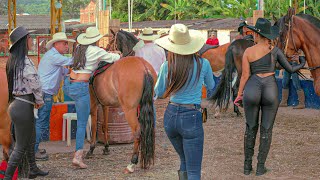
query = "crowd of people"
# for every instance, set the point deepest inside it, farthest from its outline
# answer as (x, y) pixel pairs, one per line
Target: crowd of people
(181, 76)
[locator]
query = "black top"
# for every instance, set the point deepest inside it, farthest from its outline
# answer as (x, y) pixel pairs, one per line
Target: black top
(267, 63)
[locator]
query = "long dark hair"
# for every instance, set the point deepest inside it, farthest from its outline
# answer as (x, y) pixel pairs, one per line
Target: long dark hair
(180, 70)
(16, 63)
(79, 55)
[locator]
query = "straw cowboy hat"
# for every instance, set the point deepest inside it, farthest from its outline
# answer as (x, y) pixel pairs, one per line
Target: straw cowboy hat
(264, 28)
(181, 41)
(60, 36)
(91, 35)
(162, 32)
(147, 35)
(17, 34)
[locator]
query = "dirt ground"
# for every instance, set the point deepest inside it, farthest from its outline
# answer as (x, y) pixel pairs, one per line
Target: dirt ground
(295, 151)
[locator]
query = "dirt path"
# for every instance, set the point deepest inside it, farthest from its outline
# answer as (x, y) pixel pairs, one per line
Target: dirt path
(295, 151)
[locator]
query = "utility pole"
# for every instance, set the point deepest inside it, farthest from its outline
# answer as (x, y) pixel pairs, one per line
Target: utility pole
(260, 4)
(12, 11)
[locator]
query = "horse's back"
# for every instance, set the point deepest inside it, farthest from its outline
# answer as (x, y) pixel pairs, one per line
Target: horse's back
(124, 79)
(3, 91)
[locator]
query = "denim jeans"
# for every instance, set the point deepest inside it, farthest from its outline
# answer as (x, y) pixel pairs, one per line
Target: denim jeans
(295, 79)
(184, 129)
(42, 123)
(79, 92)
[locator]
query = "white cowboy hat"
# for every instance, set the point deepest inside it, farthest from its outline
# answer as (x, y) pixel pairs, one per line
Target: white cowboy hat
(162, 32)
(182, 41)
(91, 35)
(60, 36)
(147, 35)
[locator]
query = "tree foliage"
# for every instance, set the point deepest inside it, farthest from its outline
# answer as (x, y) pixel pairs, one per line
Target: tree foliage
(144, 10)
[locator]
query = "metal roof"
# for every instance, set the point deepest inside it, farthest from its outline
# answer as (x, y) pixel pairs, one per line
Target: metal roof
(28, 21)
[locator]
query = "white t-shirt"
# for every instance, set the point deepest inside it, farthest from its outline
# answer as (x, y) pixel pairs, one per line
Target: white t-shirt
(152, 53)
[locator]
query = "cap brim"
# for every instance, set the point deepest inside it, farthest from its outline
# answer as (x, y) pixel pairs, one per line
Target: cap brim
(192, 47)
(84, 41)
(274, 32)
(149, 38)
(52, 41)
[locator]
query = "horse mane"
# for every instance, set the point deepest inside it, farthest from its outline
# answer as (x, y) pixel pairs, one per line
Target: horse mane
(311, 19)
(129, 36)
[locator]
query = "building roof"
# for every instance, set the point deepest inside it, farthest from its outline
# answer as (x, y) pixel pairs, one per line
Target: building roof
(198, 24)
(28, 21)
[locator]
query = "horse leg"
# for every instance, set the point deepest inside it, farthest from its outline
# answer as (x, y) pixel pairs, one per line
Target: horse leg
(106, 150)
(93, 112)
(131, 116)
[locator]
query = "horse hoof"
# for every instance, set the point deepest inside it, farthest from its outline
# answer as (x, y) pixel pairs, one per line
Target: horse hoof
(127, 171)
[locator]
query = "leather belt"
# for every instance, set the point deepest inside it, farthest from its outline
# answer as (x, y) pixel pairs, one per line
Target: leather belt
(192, 106)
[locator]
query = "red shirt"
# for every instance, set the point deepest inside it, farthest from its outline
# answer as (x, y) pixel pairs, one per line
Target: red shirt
(213, 42)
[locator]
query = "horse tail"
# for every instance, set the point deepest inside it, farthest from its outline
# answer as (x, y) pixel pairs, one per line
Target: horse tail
(146, 120)
(221, 95)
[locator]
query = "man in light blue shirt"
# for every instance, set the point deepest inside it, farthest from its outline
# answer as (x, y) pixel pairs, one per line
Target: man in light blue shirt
(51, 71)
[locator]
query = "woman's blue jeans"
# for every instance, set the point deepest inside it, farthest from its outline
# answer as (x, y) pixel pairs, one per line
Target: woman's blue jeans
(185, 131)
(79, 92)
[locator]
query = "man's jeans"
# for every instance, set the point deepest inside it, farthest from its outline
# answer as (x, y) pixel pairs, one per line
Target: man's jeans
(295, 79)
(42, 123)
(79, 92)
(185, 131)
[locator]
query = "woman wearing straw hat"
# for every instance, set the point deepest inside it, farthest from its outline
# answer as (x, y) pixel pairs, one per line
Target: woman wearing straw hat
(181, 78)
(259, 90)
(150, 52)
(86, 59)
(24, 94)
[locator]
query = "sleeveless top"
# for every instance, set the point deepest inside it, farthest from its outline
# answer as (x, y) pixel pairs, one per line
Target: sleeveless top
(265, 64)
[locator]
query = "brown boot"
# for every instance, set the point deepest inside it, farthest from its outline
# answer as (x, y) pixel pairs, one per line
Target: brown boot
(77, 160)
(284, 99)
(301, 99)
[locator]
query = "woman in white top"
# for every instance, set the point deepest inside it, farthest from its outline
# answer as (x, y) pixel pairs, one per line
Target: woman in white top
(86, 59)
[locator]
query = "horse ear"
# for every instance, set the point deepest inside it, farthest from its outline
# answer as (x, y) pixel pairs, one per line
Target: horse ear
(274, 18)
(112, 32)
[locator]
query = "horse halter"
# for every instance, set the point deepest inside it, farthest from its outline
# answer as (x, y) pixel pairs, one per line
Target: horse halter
(286, 41)
(115, 47)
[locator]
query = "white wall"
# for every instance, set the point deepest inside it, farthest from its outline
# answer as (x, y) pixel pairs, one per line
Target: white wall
(223, 36)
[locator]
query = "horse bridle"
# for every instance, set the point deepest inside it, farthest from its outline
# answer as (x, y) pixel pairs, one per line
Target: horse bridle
(115, 47)
(285, 43)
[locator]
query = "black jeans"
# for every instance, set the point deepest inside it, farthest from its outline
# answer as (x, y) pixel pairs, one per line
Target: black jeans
(260, 93)
(21, 114)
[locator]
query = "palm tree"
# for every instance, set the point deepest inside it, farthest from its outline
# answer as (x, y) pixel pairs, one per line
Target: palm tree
(151, 10)
(181, 9)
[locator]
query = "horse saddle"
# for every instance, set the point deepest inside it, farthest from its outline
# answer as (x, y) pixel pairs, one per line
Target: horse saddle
(205, 48)
(102, 66)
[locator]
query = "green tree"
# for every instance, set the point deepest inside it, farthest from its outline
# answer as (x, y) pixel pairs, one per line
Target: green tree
(181, 9)
(149, 10)
(71, 8)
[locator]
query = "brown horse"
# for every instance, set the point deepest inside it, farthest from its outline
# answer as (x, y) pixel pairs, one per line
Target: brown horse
(302, 31)
(217, 57)
(233, 64)
(5, 122)
(128, 84)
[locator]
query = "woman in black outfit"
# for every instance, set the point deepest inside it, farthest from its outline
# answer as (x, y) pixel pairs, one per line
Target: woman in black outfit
(259, 90)
(24, 94)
